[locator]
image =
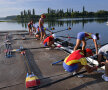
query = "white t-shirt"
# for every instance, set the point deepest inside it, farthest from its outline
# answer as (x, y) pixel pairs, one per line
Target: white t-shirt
(104, 50)
(94, 36)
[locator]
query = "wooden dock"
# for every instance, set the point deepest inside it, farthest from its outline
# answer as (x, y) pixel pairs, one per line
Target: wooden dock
(13, 70)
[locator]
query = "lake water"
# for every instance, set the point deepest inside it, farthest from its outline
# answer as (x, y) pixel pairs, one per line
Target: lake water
(77, 25)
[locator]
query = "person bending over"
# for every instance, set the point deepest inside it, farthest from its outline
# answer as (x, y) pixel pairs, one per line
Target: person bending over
(37, 33)
(49, 41)
(81, 38)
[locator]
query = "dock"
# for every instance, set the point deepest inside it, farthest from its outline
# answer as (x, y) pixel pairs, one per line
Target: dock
(52, 77)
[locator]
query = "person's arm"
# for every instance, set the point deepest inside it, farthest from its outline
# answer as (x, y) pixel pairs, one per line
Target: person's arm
(90, 69)
(39, 23)
(96, 46)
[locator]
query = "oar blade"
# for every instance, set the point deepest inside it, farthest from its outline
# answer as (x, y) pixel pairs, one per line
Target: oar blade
(14, 50)
(31, 81)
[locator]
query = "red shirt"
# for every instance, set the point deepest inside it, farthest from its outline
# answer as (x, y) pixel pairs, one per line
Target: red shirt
(76, 57)
(48, 39)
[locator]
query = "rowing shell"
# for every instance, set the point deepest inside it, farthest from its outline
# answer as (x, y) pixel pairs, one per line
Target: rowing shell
(90, 59)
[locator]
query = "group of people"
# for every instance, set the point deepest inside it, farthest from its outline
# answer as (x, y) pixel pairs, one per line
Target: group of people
(76, 60)
(40, 33)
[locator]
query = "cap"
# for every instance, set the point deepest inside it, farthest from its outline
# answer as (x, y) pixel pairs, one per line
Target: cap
(98, 36)
(89, 51)
(54, 36)
(43, 16)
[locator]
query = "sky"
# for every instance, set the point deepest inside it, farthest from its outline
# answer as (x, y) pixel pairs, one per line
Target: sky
(14, 7)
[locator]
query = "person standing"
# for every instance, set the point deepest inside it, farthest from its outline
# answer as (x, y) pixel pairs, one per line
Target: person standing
(41, 26)
(30, 25)
(81, 38)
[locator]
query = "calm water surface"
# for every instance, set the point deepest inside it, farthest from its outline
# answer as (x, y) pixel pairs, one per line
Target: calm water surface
(77, 25)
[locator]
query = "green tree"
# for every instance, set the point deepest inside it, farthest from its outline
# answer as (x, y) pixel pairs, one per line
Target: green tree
(33, 12)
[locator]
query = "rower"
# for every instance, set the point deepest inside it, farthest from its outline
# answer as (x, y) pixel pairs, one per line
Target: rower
(49, 41)
(76, 60)
(41, 26)
(81, 38)
(103, 53)
(30, 25)
(37, 33)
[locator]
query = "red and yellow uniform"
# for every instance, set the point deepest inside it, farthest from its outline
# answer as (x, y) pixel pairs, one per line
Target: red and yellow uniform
(48, 39)
(70, 62)
(82, 35)
(88, 35)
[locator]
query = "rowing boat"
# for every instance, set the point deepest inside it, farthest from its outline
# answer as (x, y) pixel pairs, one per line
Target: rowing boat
(91, 60)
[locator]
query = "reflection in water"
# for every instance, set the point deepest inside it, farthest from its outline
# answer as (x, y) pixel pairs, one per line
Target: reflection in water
(68, 22)
(92, 25)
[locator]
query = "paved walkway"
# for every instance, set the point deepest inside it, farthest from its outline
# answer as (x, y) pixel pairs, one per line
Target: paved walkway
(13, 71)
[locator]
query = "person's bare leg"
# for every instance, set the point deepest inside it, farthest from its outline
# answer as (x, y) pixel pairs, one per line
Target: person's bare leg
(29, 31)
(78, 42)
(79, 67)
(49, 44)
(99, 58)
(41, 38)
(83, 44)
(106, 68)
(44, 35)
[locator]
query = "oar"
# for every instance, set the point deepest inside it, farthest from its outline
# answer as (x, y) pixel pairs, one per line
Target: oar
(63, 30)
(101, 46)
(49, 29)
(67, 37)
(31, 79)
(15, 50)
(57, 62)
(60, 30)
(56, 81)
(23, 38)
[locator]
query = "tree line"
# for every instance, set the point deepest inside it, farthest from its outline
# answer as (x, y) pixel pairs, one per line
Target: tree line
(70, 13)
(60, 13)
(27, 15)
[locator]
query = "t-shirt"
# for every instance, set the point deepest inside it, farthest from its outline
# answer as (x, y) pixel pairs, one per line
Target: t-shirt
(90, 35)
(48, 39)
(76, 57)
(30, 25)
(103, 50)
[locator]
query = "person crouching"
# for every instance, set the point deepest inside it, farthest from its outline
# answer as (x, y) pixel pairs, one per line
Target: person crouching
(76, 60)
(49, 41)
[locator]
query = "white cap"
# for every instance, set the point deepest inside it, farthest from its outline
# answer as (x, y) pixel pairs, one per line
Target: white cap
(54, 36)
